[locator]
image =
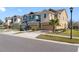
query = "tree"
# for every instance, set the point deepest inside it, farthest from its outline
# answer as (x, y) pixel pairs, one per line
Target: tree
(54, 23)
(1, 22)
(75, 25)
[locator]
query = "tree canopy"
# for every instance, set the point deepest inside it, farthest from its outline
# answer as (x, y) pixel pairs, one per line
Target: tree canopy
(54, 23)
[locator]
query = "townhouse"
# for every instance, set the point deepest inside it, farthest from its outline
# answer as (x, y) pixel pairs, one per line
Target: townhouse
(44, 16)
(13, 19)
(41, 19)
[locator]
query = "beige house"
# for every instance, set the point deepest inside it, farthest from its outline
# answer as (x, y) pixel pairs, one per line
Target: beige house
(13, 19)
(46, 15)
(16, 19)
(8, 21)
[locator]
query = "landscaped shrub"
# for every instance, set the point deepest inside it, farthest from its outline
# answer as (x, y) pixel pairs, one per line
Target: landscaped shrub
(60, 30)
(64, 30)
(16, 26)
(34, 27)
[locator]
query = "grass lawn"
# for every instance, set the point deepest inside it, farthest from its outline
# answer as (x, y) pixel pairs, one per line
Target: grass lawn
(61, 39)
(67, 33)
(1, 30)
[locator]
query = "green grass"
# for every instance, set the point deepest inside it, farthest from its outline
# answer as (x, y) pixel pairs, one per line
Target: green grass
(1, 30)
(67, 33)
(61, 39)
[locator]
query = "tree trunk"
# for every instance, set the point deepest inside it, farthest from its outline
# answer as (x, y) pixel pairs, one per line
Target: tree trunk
(53, 29)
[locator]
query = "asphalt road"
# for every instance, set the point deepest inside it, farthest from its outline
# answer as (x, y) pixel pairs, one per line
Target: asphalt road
(17, 44)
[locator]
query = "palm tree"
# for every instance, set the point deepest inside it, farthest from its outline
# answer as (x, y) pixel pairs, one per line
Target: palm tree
(54, 23)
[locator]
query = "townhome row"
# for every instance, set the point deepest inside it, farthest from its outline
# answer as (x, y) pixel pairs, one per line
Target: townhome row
(33, 19)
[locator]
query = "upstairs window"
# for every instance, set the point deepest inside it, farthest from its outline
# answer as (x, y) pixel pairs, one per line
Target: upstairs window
(56, 16)
(15, 19)
(44, 15)
(29, 17)
(33, 16)
(37, 16)
(24, 17)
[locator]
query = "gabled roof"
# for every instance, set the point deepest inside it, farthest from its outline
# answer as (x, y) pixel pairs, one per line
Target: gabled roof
(56, 11)
(60, 10)
(49, 10)
(52, 10)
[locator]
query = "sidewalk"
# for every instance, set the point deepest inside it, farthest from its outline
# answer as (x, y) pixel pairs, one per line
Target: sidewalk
(61, 36)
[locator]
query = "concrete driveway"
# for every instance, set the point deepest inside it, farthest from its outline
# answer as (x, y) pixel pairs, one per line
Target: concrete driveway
(25, 34)
(18, 44)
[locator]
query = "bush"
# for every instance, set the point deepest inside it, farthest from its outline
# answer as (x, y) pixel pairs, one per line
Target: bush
(16, 26)
(60, 30)
(34, 28)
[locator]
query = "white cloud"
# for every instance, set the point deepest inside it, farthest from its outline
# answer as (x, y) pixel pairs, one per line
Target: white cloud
(2, 9)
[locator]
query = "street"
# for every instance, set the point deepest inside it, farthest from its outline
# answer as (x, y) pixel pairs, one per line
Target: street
(18, 44)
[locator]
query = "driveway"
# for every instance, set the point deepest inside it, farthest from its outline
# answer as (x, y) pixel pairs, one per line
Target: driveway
(25, 34)
(18, 44)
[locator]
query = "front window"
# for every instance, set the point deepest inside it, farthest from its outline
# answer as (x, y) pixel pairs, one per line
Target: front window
(44, 15)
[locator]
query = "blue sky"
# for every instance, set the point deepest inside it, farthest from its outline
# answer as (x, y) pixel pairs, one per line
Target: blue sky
(10, 11)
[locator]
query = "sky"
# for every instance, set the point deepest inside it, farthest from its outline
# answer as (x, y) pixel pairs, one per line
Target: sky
(11, 11)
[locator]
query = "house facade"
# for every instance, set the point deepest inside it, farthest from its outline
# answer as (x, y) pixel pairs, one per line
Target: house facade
(8, 21)
(44, 16)
(41, 19)
(13, 19)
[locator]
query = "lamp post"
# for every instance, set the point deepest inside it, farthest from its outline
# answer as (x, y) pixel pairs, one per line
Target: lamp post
(71, 10)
